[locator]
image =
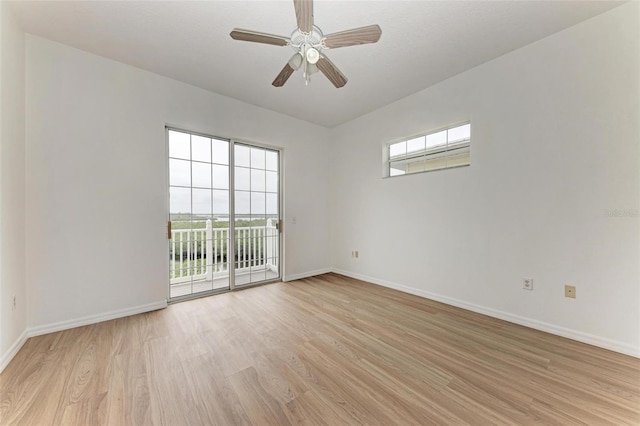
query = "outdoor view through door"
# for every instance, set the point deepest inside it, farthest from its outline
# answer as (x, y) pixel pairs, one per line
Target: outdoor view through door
(202, 256)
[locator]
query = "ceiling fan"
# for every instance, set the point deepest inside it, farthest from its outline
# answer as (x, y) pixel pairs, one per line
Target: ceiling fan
(310, 43)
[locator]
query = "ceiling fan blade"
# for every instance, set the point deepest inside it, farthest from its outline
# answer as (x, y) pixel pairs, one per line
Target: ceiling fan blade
(246, 35)
(284, 75)
(363, 35)
(331, 72)
(304, 14)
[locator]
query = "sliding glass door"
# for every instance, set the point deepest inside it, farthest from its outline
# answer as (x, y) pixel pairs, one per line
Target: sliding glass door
(256, 214)
(224, 214)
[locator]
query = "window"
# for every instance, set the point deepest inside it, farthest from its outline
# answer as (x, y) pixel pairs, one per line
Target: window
(442, 149)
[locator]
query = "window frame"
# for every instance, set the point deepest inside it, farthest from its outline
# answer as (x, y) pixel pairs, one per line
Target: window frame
(427, 151)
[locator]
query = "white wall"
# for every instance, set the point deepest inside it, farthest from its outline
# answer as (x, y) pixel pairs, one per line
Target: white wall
(12, 186)
(555, 145)
(555, 140)
(97, 180)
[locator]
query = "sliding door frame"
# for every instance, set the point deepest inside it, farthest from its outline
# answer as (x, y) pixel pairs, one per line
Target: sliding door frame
(231, 245)
(232, 206)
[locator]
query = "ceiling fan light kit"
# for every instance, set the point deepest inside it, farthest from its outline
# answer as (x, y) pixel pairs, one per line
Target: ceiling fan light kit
(309, 43)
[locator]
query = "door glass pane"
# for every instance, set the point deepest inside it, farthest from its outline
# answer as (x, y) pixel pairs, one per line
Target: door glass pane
(201, 174)
(220, 176)
(179, 145)
(257, 180)
(180, 201)
(271, 160)
(202, 203)
(220, 150)
(179, 173)
(220, 203)
(257, 203)
(199, 214)
(243, 203)
(200, 148)
(272, 181)
(257, 158)
(242, 156)
(272, 204)
(243, 178)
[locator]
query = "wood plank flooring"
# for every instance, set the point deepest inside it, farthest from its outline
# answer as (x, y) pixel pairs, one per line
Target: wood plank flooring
(327, 350)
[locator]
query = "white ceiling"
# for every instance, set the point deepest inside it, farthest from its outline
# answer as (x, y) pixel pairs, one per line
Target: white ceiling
(422, 43)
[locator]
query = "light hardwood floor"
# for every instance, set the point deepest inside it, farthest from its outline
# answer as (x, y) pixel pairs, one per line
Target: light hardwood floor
(324, 350)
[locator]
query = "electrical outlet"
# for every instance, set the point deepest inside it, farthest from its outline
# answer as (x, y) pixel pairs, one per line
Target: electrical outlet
(14, 303)
(527, 283)
(570, 291)
(355, 254)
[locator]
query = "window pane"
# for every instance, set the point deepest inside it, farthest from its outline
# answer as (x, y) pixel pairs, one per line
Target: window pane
(272, 160)
(257, 158)
(459, 134)
(220, 176)
(396, 149)
(200, 148)
(272, 203)
(257, 180)
(415, 165)
(220, 202)
(201, 175)
(439, 150)
(242, 156)
(416, 144)
(257, 203)
(272, 182)
(220, 151)
(242, 179)
(180, 200)
(436, 139)
(396, 169)
(243, 202)
(179, 173)
(459, 159)
(179, 145)
(201, 201)
(435, 163)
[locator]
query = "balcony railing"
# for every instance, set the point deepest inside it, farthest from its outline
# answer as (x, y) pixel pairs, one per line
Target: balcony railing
(203, 254)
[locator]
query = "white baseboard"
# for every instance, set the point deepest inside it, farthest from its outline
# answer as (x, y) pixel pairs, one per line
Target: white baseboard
(13, 350)
(293, 277)
(92, 319)
(579, 336)
(65, 325)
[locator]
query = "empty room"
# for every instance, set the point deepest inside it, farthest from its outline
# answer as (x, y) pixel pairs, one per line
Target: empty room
(319, 212)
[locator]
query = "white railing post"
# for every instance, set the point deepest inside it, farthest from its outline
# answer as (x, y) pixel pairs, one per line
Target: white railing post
(208, 253)
(270, 237)
(269, 244)
(173, 253)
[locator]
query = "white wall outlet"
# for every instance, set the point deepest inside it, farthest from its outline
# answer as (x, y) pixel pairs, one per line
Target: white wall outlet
(527, 283)
(294, 220)
(14, 303)
(355, 254)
